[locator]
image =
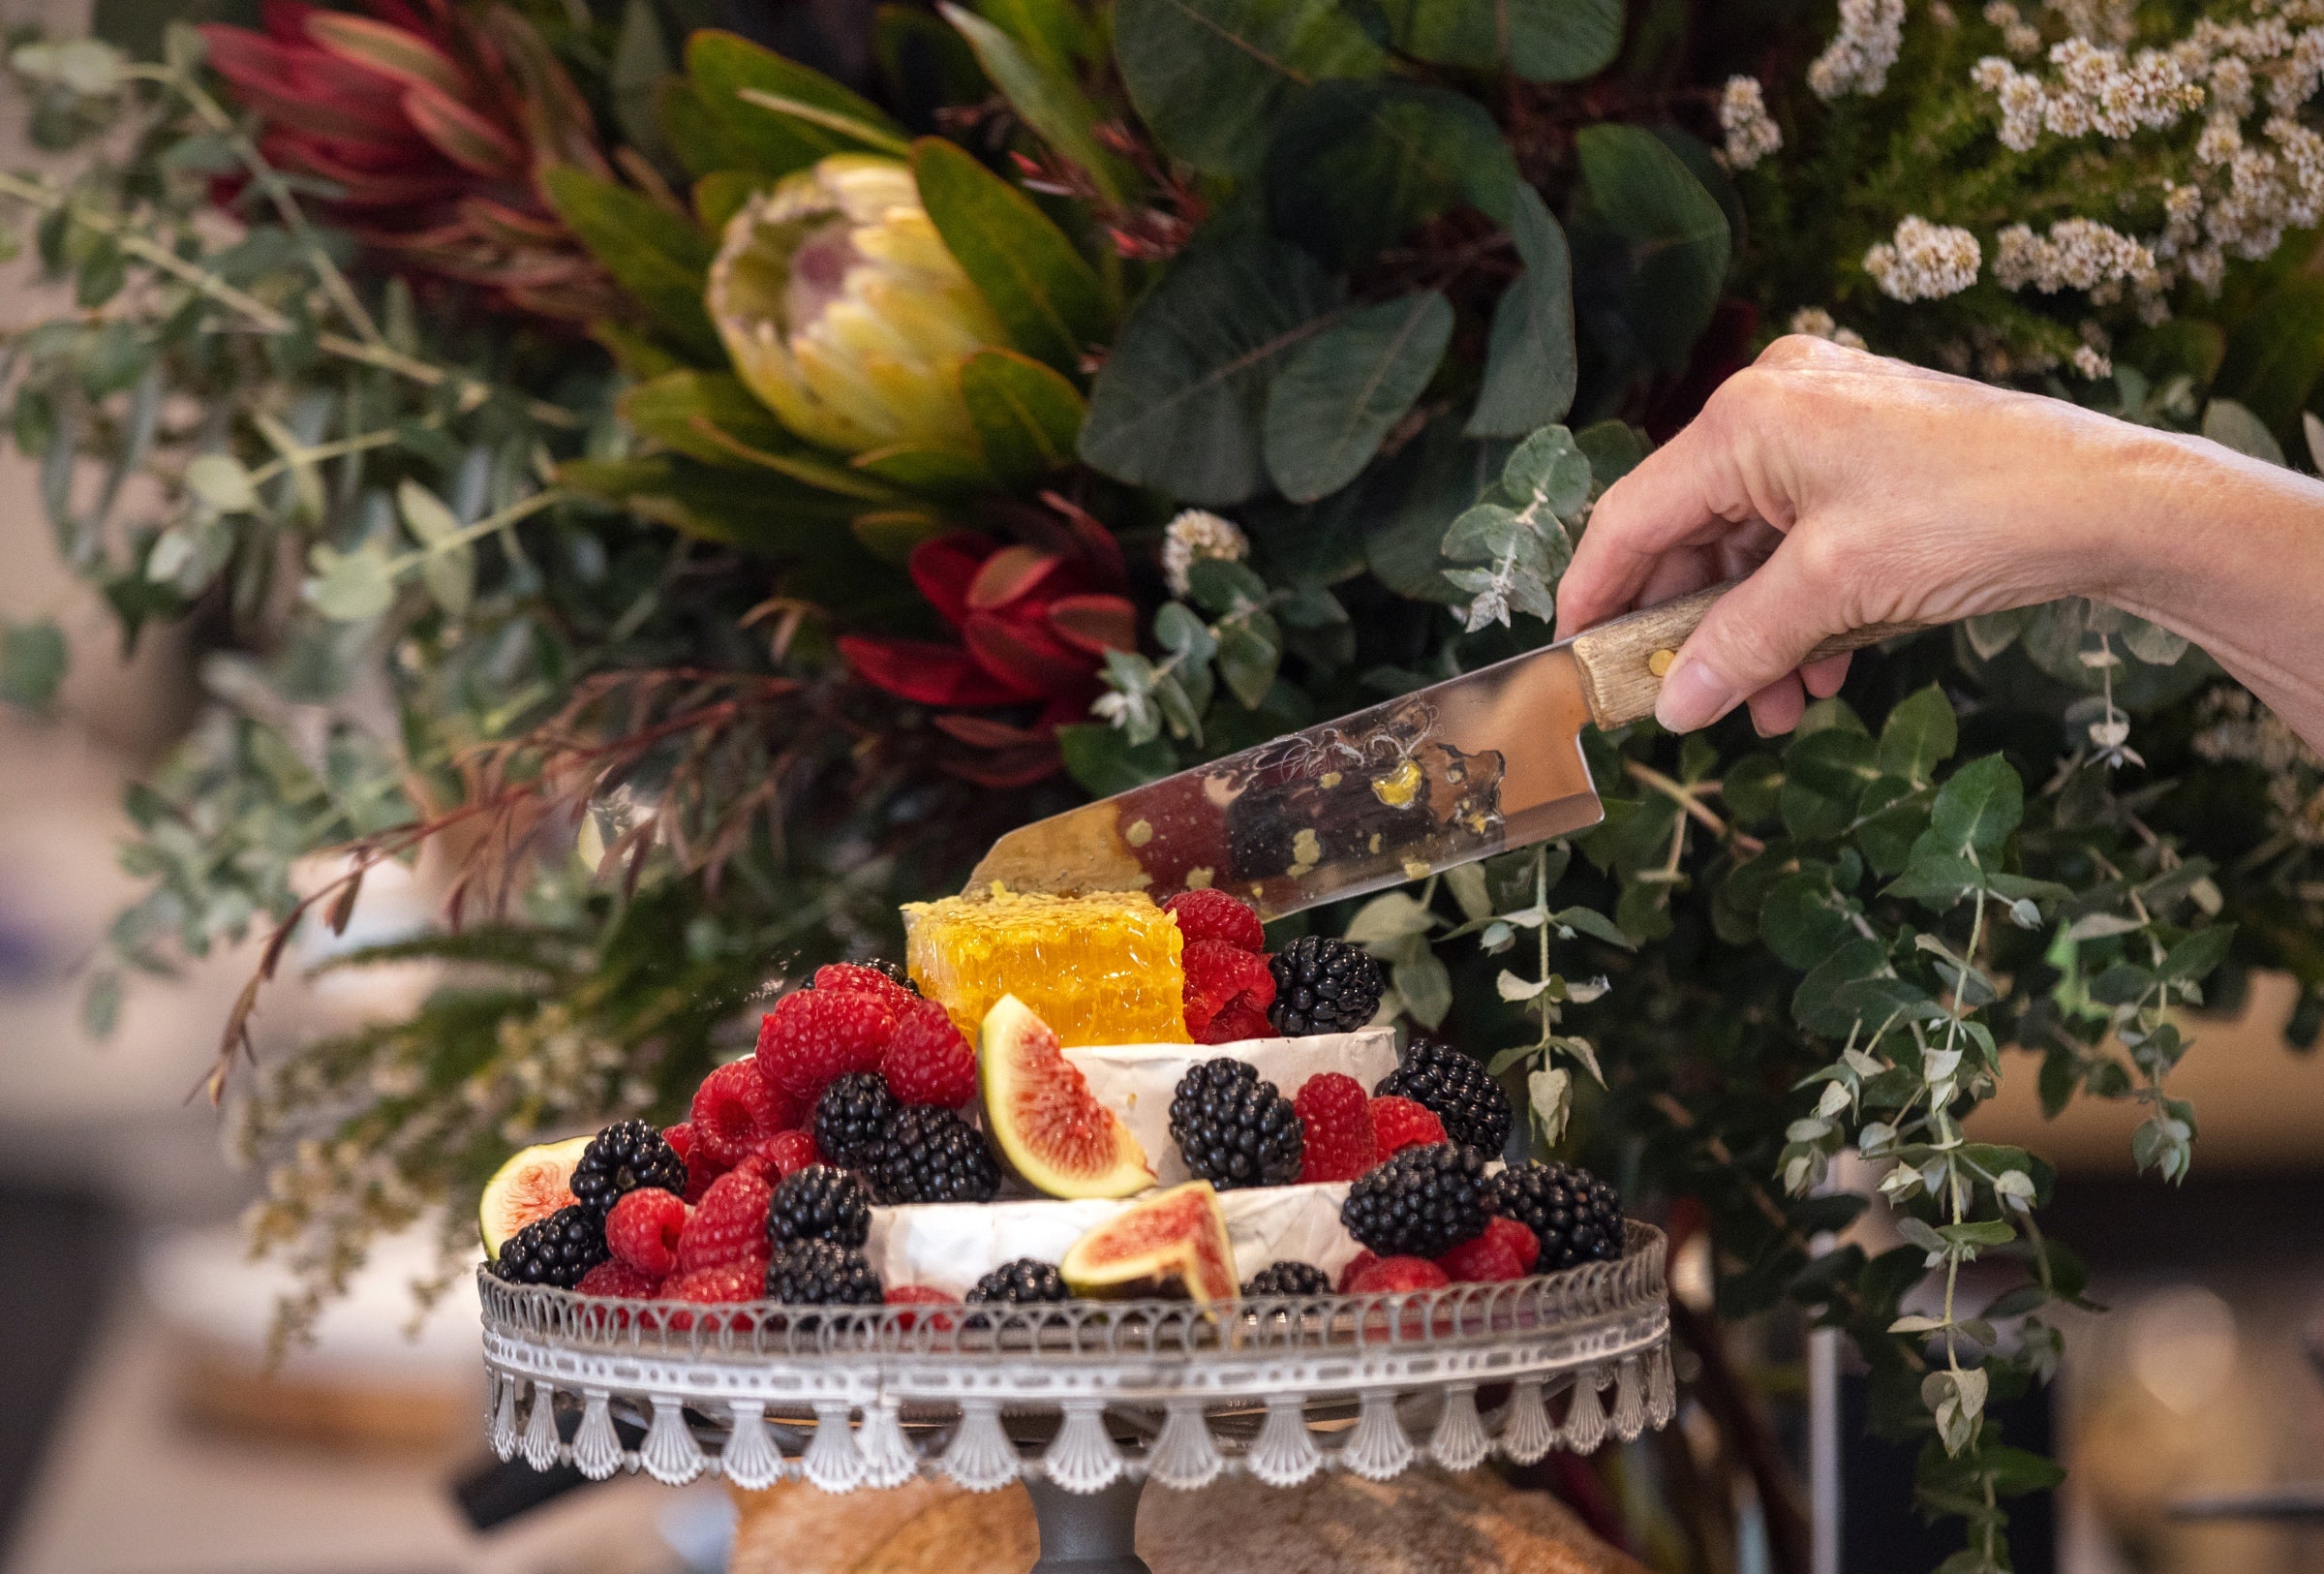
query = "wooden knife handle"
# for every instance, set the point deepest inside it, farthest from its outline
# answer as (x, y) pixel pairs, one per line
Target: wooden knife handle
(1623, 661)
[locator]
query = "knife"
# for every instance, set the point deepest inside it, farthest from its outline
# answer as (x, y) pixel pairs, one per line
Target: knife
(1462, 770)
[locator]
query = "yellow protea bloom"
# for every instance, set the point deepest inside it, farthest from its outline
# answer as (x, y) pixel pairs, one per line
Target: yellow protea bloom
(844, 313)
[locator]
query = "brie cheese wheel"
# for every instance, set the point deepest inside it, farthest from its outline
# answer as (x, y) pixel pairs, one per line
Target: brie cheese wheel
(1136, 1081)
(949, 1246)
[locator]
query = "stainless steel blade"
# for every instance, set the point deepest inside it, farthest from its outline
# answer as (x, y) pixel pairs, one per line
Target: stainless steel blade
(1474, 766)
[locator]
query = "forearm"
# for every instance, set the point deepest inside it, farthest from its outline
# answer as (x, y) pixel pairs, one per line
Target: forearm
(2229, 552)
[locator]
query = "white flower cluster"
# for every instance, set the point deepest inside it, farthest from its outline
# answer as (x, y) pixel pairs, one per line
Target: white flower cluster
(1816, 323)
(1751, 134)
(2077, 254)
(2096, 89)
(2092, 362)
(1860, 55)
(2020, 37)
(1924, 262)
(1194, 535)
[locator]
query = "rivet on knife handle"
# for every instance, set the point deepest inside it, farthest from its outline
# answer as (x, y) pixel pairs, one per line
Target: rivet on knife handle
(1623, 663)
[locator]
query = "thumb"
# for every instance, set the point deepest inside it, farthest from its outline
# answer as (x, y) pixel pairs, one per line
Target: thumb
(1753, 635)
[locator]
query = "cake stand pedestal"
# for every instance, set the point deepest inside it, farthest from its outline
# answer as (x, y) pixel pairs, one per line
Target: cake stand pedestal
(1084, 1401)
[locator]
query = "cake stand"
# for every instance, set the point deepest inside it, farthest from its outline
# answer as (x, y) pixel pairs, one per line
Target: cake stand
(1084, 1401)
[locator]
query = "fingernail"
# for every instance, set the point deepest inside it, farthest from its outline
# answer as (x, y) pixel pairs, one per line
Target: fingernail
(1693, 695)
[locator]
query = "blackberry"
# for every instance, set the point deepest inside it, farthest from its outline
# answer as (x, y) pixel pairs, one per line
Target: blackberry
(1026, 1280)
(933, 1156)
(623, 1157)
(1234, 1129)
(1576, 1217)
(819, 1203)
(1289, 1278)
(1456, 1089)
(554, 1250)
(822, 1274)
(1420, 1203)
(1323, 986)
(851, 1118)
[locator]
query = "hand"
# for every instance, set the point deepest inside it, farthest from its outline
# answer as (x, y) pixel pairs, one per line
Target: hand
(1850, 490)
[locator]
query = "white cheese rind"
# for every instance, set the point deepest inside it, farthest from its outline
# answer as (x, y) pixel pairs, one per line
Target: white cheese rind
(950, 1245)
(1136, 1081)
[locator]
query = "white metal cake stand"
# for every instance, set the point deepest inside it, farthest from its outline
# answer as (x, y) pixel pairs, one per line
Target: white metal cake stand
(1084, 1402)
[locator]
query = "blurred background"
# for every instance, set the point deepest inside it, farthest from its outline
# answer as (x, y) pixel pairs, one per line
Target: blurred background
(147, 1434)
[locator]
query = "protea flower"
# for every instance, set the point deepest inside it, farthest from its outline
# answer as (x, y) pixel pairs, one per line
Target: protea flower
(1035, 624)
(844, 313)
(433, 125)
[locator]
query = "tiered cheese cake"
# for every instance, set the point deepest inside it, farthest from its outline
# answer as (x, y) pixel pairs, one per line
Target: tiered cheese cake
(1093, 1096)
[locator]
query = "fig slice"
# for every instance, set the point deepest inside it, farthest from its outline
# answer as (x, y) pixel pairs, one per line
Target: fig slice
(1041, 1114)
(532, 1184)
(1171, 1246)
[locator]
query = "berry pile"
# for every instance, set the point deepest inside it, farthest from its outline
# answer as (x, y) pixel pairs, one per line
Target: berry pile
(852, 1097)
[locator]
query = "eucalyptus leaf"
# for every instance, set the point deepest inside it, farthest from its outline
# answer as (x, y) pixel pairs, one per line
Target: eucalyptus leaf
(1343, 389)
(1209, 76)
(1531, 369)
(1667, 238)
(1542, 41)
(1352, 166)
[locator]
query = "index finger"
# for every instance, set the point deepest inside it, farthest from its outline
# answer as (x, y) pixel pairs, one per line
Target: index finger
(1687, 493)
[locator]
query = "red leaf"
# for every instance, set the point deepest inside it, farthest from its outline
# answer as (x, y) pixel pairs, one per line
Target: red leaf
(1024, 655)
(1011, 574)
(462, 135)
(983, 732)
(1096, 624)
(928, 673)
(943, 565)
(390, 50)
(304, 87)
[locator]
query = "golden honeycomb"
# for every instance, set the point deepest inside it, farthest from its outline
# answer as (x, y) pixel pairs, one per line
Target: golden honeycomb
(1099, 969)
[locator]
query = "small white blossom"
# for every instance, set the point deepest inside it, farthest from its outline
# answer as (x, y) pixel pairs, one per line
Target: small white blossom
(1194, 535)
(1751, 134)
(2091, 363)
(1925, 262)
(1816, 323)
(2077, 254)
(1860, 55)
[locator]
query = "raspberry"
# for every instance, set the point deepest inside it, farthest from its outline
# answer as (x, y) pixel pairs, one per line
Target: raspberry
(1392, 1276)
(853, 979)
(1507, 1250)
(1238, 1020)
(1398, 1124)
(616, 1277)
(713, 1287)
(813, 1035)
(920, 1295)
(1336, 1115)
(1353, 1270)
(735, 1110)
(699, 1170)
(929, 1060)
(785, 1153)
(643, 1230)
(1219, 976)
(1216, 915)
(730, 1227)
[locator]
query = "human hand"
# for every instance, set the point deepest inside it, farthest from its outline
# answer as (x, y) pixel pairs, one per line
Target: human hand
(1849, 490)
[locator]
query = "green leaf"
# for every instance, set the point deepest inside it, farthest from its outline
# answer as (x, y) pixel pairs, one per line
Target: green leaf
(1180, 403)
(1025, 415)
(2227, 423)
(2276, 352)
(1594, 924)
(350, 587)
(1250, 650)
(448, 570)
(1353, 166)
(1889, 820)
(1043, 291)
(659, 258)
(697, 138)
(633, 80)
(1104, 761)
(1669, 237)
(1803, 919)
(1208, 77)
(1346, 387)
(1059, 35)
(1530, 368)
(1825, 775)
(1048, 101)
(937, 473)
(1919, 734)
(1614, 448)
(1542, 41)
(1220, 587)
(723, 66)
(33, 658)
(220, 480)
(1550, 471)
(711, 417)
(1979, 806)
(2193, 958)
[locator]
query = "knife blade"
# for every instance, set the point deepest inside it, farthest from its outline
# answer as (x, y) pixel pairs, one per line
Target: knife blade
(1478, 764)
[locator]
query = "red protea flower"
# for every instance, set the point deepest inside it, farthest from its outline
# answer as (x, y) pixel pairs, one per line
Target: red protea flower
(1035, 624)
(434, 126)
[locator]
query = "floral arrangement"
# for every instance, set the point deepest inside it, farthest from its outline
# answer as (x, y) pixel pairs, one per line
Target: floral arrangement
(668, 488)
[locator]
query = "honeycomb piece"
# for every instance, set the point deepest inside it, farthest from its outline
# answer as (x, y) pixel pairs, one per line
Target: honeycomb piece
(1099, 969)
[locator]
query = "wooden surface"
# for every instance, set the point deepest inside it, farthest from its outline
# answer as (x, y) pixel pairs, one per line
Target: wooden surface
(1617, 659)
(1424, 1521)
